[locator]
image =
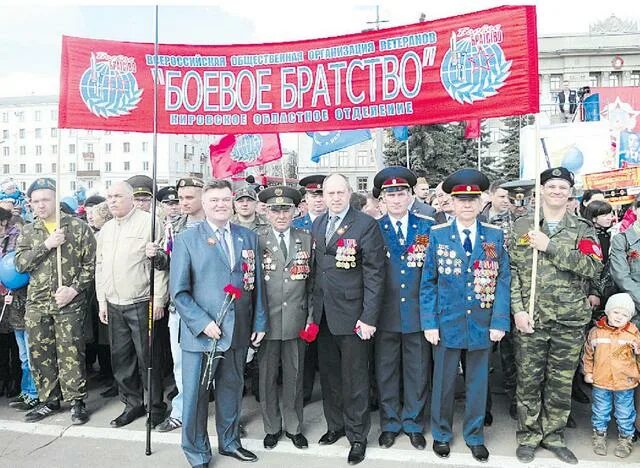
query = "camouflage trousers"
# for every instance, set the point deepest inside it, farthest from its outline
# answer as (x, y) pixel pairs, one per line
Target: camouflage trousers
(546, 361)
(508, 361)
(57, 353)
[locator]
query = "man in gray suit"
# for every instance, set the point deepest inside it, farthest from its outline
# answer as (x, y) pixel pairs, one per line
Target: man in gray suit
(286, 259)
(205, 260)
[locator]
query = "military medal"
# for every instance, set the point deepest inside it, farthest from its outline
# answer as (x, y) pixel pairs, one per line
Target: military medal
(249, 270)
(346, 253)
(300, 269)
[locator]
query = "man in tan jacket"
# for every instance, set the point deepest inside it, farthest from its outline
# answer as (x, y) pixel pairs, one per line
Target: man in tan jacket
(122, 287)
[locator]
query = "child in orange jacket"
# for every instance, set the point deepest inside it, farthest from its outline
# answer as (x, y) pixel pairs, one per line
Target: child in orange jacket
(610, 363)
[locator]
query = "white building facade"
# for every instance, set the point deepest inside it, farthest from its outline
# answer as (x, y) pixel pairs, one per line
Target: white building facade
(30, 144)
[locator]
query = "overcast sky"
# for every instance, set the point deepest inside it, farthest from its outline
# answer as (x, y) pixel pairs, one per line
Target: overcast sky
(30, 35)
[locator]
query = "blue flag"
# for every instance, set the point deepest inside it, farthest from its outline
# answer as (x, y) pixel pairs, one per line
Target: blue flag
(591, 106)
(328, 142)
(401, 133)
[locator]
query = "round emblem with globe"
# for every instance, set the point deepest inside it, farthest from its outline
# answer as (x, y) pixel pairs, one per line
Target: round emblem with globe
(108, 92)
(247, 148)
(9, 276)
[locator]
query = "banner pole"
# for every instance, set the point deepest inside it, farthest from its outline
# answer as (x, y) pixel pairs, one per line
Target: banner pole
(284, 175)
(479, 143)
(408, 162)
(536, 220)
(153, 236)
(58, 189)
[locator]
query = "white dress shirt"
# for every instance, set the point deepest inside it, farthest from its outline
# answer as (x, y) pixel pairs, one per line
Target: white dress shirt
(227, 237)
(287, 237)
(472, 235)
(405, 223)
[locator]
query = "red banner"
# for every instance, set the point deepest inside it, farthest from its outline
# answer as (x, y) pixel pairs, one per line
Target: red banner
(234, 153)
(478, 65)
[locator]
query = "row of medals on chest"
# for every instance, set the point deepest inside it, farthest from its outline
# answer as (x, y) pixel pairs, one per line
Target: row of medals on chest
(298, 271)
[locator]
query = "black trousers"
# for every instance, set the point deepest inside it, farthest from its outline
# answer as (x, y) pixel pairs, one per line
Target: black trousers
(344, 376)
(129, 337)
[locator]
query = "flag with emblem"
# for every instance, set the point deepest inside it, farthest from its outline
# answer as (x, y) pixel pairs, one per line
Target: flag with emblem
(328, 142)
(234, 153)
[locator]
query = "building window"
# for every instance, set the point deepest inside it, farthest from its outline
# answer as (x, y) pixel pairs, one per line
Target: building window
(90, 184)
(363, 184)
(89, 147)
(22, 133)
(615, 79)
(38, 150)
(72, 167)
(6, 168)
(343, 159)
(54, 132)
(363, 158)
(107, 184)
(72, 185)
(5, 134)
(145, 165)
(107, 167)
(37, 116)
(38, 168)
(20, 116)
(54, 114)
(145, 146)
(54, 168)
(595, 79)
(5, 117)
(89, 166)
(6, 151)
(635, 78)
(23, 168)
(23, 150)
(494, 133)
(555, 82)
(72, 149)
(54, 149)
(127, 166)
(126, 147)
(177, 147)
(107, 147)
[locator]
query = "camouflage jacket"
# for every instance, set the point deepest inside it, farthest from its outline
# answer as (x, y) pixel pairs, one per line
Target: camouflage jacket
(564, 271)
(258, 222)
(78, 264)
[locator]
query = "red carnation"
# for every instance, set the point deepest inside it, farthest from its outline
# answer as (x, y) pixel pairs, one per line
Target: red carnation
(476, 264)
(245, 266)
(309, 333)
(234, 292)
(411, 248)
(340, 242)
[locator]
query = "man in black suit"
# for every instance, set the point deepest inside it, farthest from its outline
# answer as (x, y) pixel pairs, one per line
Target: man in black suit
(348, 293)
(569, 96)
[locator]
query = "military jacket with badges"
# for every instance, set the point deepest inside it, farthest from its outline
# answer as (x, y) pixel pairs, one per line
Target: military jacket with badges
(303, 222)
(78, 264)
(564, 271)
(288, 283)
(404, 262)
(465, 296)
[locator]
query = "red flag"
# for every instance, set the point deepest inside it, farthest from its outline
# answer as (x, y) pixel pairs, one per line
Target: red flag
(472, 128)
(234, 153)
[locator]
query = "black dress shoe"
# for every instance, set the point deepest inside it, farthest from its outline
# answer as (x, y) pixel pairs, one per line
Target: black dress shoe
(79, 413)
(488, 419)
(417, 440)
(331, 437)
(562, 453)
(271, 440)
(525, 453)
(387, 438)
(441, 449)
(299, 440)
(240, 454)
(127, 417)
(356, 454)
(479, 452)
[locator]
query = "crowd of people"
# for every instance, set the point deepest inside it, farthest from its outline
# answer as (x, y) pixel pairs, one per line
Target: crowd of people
(390, 295)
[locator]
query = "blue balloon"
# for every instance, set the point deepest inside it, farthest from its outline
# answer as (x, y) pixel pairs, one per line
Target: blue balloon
(573, 159)
(9, 276)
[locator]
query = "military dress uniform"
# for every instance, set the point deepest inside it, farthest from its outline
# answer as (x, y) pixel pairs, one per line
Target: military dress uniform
(312, 184)
(286, 264)
(548, 357)
(56, 335)
(464, 294)
(402, 355)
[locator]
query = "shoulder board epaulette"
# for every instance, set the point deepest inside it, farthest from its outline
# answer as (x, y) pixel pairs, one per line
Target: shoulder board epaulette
(440, 226)
(493, 226)
(423, 216)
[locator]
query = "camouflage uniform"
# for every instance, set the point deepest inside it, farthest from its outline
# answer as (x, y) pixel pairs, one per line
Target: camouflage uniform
(57, 347)
(257, 223)
(548, 358)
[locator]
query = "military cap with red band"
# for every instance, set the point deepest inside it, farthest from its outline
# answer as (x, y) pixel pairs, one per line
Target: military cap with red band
(466, 183)
(313, 183)
(394, 178)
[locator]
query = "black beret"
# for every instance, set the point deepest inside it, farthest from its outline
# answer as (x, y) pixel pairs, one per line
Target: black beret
(42, 183)
(190, 182)
(557, 173)
(94, 200)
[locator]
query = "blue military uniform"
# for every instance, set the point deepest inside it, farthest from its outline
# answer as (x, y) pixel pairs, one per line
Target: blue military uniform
(303, 222)
(465, 293)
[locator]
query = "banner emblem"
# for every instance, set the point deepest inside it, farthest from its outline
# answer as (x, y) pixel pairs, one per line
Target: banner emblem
(247, 148)
(475, 67)
(109, 87)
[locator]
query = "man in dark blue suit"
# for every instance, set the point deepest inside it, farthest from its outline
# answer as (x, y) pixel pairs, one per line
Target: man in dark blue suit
(402, 355)
(464, 305)
(205, 259)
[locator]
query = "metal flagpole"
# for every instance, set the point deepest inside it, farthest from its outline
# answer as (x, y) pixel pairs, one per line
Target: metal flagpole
(479, 143)
(408, 162)
(153, 234)
(58, 189)
(536, 220)
(284, 175)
